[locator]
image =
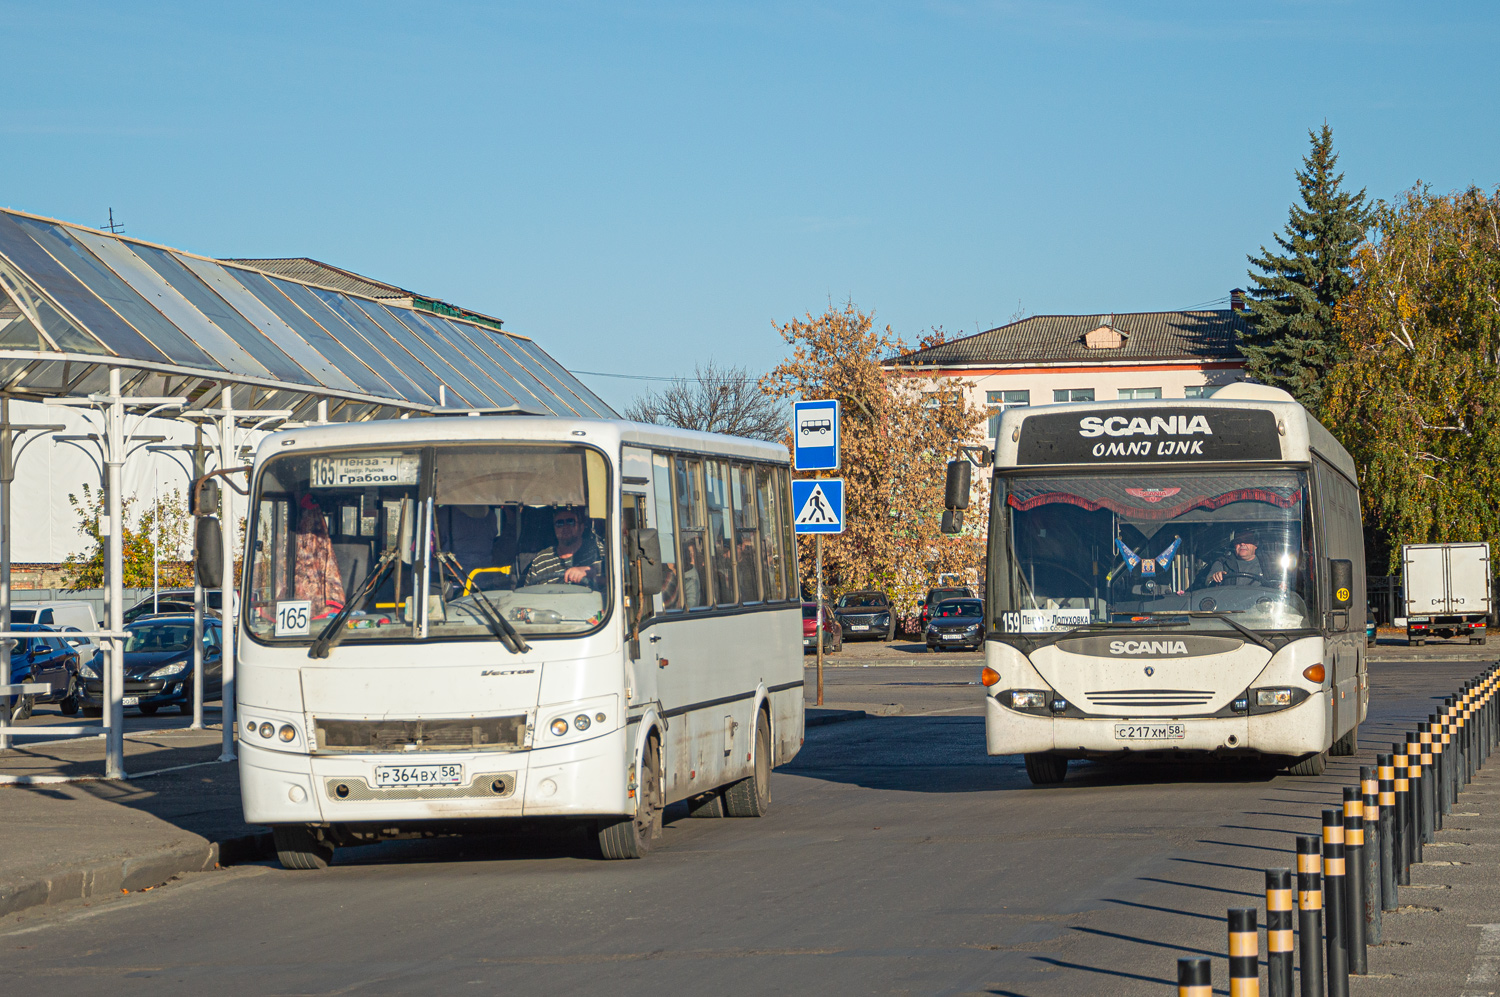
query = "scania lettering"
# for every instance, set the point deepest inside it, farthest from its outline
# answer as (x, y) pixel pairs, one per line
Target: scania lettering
(1173, 579)
(451, 622)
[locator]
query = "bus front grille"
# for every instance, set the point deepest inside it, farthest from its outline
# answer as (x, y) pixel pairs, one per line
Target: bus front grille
(1150, 697)
(401, 736)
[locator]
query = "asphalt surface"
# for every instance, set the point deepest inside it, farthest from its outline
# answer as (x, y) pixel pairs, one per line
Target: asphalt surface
(898, 859)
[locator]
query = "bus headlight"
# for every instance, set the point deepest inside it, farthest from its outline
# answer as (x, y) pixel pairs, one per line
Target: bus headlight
(1273, 697)
(1027, 699)
(287, 732)
(581, 722)
(559, 727)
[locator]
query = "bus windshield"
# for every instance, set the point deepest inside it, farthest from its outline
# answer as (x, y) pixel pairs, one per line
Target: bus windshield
(517, 528)
(1075, 549)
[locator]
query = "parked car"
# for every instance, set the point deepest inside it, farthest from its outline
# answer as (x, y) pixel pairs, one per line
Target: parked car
(935, 596)
(1370, 630)
(64, 615)
(833, 633)
(866, 614)
(45, 658)
(174, 601)
(159, 666)
(956, 623)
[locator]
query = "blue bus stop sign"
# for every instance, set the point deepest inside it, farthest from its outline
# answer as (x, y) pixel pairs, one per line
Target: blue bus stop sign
(815, 435)
(818, 505)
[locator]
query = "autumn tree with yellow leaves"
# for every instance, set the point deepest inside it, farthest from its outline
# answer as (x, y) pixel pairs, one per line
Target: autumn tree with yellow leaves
(1416, 399)
(898, 433)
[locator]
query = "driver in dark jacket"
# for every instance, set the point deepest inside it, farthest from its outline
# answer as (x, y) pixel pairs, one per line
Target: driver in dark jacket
(1244, 568)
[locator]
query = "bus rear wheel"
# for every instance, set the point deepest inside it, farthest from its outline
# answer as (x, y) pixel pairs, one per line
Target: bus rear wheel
(752, 797)
(632, 838)
(1045, 770)
(1348, 744)
(300, 847)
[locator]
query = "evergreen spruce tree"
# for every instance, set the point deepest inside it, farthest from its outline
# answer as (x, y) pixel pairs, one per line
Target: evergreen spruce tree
(1291, 342)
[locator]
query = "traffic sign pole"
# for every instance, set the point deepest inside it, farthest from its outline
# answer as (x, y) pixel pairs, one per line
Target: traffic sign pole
(818, 600)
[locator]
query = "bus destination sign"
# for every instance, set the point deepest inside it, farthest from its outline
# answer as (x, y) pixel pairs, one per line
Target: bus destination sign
(1148, 434)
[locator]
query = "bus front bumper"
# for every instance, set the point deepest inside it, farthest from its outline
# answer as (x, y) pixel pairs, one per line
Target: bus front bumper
(1300, 730)
(587, 778)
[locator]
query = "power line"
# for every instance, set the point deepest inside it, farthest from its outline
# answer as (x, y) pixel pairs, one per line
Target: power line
(658, 377)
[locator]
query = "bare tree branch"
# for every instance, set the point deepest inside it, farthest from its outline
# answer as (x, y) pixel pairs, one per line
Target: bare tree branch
(715, 400)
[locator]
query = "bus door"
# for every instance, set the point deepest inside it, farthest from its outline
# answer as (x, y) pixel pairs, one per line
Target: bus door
(638, 607)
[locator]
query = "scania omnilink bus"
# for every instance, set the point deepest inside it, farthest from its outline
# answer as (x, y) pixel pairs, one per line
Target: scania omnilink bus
(454, 621)
(1171, 578)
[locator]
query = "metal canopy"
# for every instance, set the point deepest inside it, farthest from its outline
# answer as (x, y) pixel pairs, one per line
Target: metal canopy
(75, 302)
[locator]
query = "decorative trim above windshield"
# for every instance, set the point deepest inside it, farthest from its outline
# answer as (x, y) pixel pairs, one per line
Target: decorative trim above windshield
(1148, 434)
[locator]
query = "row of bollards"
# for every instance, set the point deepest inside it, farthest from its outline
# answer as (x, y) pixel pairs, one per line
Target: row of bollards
(1346, 879)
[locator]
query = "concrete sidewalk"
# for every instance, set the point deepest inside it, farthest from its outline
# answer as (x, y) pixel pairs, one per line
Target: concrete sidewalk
(63, 841)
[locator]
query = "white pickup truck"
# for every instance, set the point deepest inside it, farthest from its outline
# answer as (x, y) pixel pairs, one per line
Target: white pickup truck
(1448, 590)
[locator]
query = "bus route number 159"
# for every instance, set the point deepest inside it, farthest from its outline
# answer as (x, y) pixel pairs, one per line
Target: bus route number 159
(293, 619)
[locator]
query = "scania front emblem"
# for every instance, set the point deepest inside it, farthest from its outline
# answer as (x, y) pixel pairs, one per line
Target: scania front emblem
(1150, 671)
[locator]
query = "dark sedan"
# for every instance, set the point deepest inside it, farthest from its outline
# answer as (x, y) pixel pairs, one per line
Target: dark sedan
(159, 666)
(866, 614)
(956, 623)
(45, 659)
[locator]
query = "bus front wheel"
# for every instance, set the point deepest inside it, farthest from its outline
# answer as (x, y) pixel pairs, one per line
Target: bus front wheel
(300, 847)
(632, 838)
(1046, 770)
(1311, 765)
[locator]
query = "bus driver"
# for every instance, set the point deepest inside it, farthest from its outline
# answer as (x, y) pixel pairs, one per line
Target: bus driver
(576, 558)
(1244, 568)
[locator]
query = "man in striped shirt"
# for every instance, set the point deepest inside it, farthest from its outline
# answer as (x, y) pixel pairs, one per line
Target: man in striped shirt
(575, 560)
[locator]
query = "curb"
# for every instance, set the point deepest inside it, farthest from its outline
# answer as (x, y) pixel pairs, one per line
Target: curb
(131, 873)
(834, 717)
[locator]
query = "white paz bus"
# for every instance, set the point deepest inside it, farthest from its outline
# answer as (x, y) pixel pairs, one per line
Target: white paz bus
(1171, 578)
(454, 621)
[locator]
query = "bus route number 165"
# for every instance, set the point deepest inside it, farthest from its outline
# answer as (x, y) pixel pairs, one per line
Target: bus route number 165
(293, 619)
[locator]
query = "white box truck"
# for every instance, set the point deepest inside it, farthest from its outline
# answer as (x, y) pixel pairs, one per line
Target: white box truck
(1447, 590)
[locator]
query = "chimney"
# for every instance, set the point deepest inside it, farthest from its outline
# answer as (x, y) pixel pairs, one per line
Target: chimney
(1237, 300)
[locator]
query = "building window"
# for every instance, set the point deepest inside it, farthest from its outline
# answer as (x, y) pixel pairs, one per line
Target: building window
(1072, 394)
(998, 401)
(1200, 391)
(1127, 393)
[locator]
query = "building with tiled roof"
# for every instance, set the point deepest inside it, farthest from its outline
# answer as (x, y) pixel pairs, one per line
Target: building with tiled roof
(1050, 359)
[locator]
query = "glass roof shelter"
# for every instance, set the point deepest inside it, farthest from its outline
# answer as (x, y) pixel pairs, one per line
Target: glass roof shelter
(75, 302)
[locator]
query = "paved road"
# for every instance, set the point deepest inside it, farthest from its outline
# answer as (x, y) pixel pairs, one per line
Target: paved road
(898, 859)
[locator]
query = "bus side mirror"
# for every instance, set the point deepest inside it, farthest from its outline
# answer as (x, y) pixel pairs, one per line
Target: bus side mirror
(957, 486)
(208, 552)
(645, 550)
(1341, 580)
(205, 498)
(953, 521)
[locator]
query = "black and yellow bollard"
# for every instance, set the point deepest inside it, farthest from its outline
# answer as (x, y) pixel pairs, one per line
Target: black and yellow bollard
(1425, 825)
(1310, 913)
(1279, 955)
(1443, 747)
(1336, 903)
(1440, 771)
(1194, 978)
(1403, 813)
(1385, 772)
(1244, 953)
(1354, 879)
(1369, 789)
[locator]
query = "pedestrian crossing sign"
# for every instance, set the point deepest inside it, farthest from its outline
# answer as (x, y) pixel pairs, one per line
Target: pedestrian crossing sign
(819, 505)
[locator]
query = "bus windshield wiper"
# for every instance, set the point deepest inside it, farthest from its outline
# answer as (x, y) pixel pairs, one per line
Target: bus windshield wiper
(1042, 640)
(333, 630)
(493, 618)
(1255, 636)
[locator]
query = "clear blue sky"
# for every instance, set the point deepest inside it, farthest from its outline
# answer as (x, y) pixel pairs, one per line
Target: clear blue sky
(641, 186)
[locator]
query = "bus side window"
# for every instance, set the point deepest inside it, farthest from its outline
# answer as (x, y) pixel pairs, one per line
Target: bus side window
(788, 541)
(747, 556)
(666, 531)
(690, 533)
(771, 551)
(633, 517)
(721, 531)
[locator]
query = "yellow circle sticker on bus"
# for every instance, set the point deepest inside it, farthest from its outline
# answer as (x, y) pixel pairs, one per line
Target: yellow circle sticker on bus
(1342, 595)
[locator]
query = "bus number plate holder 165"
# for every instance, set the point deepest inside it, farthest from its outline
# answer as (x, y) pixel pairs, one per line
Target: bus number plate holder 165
(1150, 732)
(391, 776)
